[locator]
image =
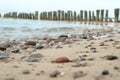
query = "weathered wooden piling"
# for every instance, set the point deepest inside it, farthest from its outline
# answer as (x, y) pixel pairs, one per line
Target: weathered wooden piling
(78, 17)
(41, 16)
(97, 15)
(68, 15)
(81, 15)
(30, 15)
(75, 16)
(85, 15)
(54, 15)
(63, 16)
(71, 16)
(59, 15)
(93, 17)
(49, 15)
(116, 14)
(102, 15)
(0, 14)
(90, 18)
(106, 16)
(36, 15)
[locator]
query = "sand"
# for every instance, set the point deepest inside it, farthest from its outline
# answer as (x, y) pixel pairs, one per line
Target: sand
(13, 68)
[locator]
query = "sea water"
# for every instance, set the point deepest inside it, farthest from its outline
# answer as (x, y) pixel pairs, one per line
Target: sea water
(16, 28)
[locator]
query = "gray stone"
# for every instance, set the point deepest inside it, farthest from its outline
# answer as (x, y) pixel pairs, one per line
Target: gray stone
(3, 57)
(54, 74)
(78, 64)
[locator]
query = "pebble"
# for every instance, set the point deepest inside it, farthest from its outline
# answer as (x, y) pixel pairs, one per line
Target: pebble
(26, 71)
(3, 57)
(15, 51)
(38, 46)
(111, 57)
(92, 48)
(78, 74)
(30, 43)
(117, 46)
(54, 74)
(105, 72)
(78, 64)
(62, 60)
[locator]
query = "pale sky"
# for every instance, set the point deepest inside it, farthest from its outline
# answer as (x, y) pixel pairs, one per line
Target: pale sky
(50, 5)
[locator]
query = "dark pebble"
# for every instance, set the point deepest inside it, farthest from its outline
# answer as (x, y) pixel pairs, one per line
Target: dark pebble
(111, 57)
(105, 72)
(15, 51)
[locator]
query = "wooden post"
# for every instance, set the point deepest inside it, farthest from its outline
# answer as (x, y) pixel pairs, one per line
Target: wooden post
(106, 16)
(102, 15)
(30, 15)
(85, 15)
(71, 17)
(74, 15)
(78, 17)
(59, 15)
(89, 16)
(0, 14)
(63, 15)
(20, 15)
(81, 15)
(41, 16)
(36, 15)
(68, 15)
(49, 15)
(116, 14)
(97, 15)
(54, 15)
(93, 16)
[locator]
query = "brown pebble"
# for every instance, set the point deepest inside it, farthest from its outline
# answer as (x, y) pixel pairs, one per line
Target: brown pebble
(62, 60)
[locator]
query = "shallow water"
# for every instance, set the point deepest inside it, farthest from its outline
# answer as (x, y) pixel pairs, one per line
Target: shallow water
(15, 28)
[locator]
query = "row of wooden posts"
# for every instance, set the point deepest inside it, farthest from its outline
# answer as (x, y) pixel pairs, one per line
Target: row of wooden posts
(60, 15)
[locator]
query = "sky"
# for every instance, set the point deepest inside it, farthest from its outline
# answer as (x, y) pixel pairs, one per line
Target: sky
(50, 5)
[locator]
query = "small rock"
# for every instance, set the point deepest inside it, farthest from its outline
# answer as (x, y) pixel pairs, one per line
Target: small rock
(33, 60)
(54, 74)
(111, 57)
(30, 43)
(2, 48)
(62, 60)
(26, 71)
(3, 57)
(38, 46)
(78, 74)
(15, 51)
(78, 64)
(94, 51)
(117, 46)
(66, 36)
(116, 68)
(105, 72)
(92, 48)
(111, 40)
(102, 44)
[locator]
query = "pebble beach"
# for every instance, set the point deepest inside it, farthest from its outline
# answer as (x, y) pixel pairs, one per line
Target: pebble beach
(91, 55)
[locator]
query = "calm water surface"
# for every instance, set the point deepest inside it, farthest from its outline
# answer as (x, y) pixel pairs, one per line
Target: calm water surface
(15, 28)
